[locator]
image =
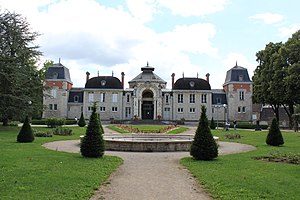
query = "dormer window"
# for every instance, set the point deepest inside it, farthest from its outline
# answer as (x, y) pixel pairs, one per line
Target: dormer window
(192, 83)
(103, 82)
(55, 75)
(76, 98)
(241, 78)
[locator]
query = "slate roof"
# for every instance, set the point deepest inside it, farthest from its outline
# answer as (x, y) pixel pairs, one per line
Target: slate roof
(237, 74)
(219, 97)
(58, 72)
(147, 75)
(73, 93)
(104, 82)
(191, 84)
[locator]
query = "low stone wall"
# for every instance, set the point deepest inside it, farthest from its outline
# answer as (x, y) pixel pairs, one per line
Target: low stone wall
(140, 146)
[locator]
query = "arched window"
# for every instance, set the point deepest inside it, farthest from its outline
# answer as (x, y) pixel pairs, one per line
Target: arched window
(76, 98)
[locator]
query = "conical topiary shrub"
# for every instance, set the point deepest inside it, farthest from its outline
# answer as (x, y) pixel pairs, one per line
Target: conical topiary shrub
(204, 147)
(26, 133)
(81, 122)
(274, 137)
(212, 124)
(92, 144)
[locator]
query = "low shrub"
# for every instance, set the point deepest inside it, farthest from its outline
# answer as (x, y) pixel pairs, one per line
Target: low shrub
(55, 122)
(70, 122)
(62, 131)
(13, 123)
(42, 134)
(38, 121)
(291, 158)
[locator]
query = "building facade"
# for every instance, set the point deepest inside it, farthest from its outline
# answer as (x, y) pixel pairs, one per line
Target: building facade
(147, 97)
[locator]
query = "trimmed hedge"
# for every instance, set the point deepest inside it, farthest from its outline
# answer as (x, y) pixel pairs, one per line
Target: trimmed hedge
(44, 122)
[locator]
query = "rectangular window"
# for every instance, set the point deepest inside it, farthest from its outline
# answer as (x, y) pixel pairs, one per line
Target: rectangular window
(204, 98)
(102, 97)
(76, 98)
(192, 110)
(54, 106)
(90, 108)
(127, 112)
(180, 110)
(114, 109)
(180, 98)
(91, 97)
(53, 93)
(242, 95)
(50, 106)
(192, 98)
(102, 109)
(167, 99)
(239, 109)
(219, 100)
(167, 109)
(114, 98)
(128, 98)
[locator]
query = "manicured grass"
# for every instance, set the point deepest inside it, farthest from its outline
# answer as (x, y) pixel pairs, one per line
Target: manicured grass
(239, 176)
(117, 129)
(178, 130)
(29, 171)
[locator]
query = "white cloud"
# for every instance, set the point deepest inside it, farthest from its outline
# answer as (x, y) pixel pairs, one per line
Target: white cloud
(268, 18)
(194, 7)
(142, 10)
(286, 32)
(88, 36)
(194, 39)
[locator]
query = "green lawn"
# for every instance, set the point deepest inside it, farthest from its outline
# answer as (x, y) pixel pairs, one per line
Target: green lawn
(29, 171)
(239, 176)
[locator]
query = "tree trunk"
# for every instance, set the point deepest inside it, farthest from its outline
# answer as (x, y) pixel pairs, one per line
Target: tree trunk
(5, 121)
(290, 111)
(275, 108)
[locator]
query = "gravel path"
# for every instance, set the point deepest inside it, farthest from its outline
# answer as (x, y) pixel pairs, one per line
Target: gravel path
(150, 175)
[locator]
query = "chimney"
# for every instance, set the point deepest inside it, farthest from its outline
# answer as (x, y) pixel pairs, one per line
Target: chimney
(207, 77)
(173, 76)
(87, 76)
(122, 74)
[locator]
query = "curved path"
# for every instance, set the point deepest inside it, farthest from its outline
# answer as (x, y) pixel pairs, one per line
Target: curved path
(150, 175)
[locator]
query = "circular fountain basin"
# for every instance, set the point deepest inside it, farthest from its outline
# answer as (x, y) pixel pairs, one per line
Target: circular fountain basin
(148, 143)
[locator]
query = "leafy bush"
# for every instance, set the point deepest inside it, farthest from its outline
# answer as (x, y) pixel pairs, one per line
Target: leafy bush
(55, 122)
(39, 122)
(212, 124)
(26, 133)
(92, 144)
(13, 123)
(81, 122)
(204, 147)
(274, 138)
(62, 131)
(42, 134)
(70, 122)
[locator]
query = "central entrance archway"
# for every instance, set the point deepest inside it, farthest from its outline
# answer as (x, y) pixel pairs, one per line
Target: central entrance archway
(147, 105)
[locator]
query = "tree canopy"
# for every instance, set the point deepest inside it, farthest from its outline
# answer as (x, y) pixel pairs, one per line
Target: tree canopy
(20, 80)
(277, 76)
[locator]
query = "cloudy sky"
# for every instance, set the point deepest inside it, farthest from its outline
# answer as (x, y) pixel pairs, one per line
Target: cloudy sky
(187, 37)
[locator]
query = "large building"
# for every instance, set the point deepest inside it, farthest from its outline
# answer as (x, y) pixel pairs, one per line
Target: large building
(147, 97)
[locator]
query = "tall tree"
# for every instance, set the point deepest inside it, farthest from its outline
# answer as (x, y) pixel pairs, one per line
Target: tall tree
(268, 78)
(20, 79)
(290, 53)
